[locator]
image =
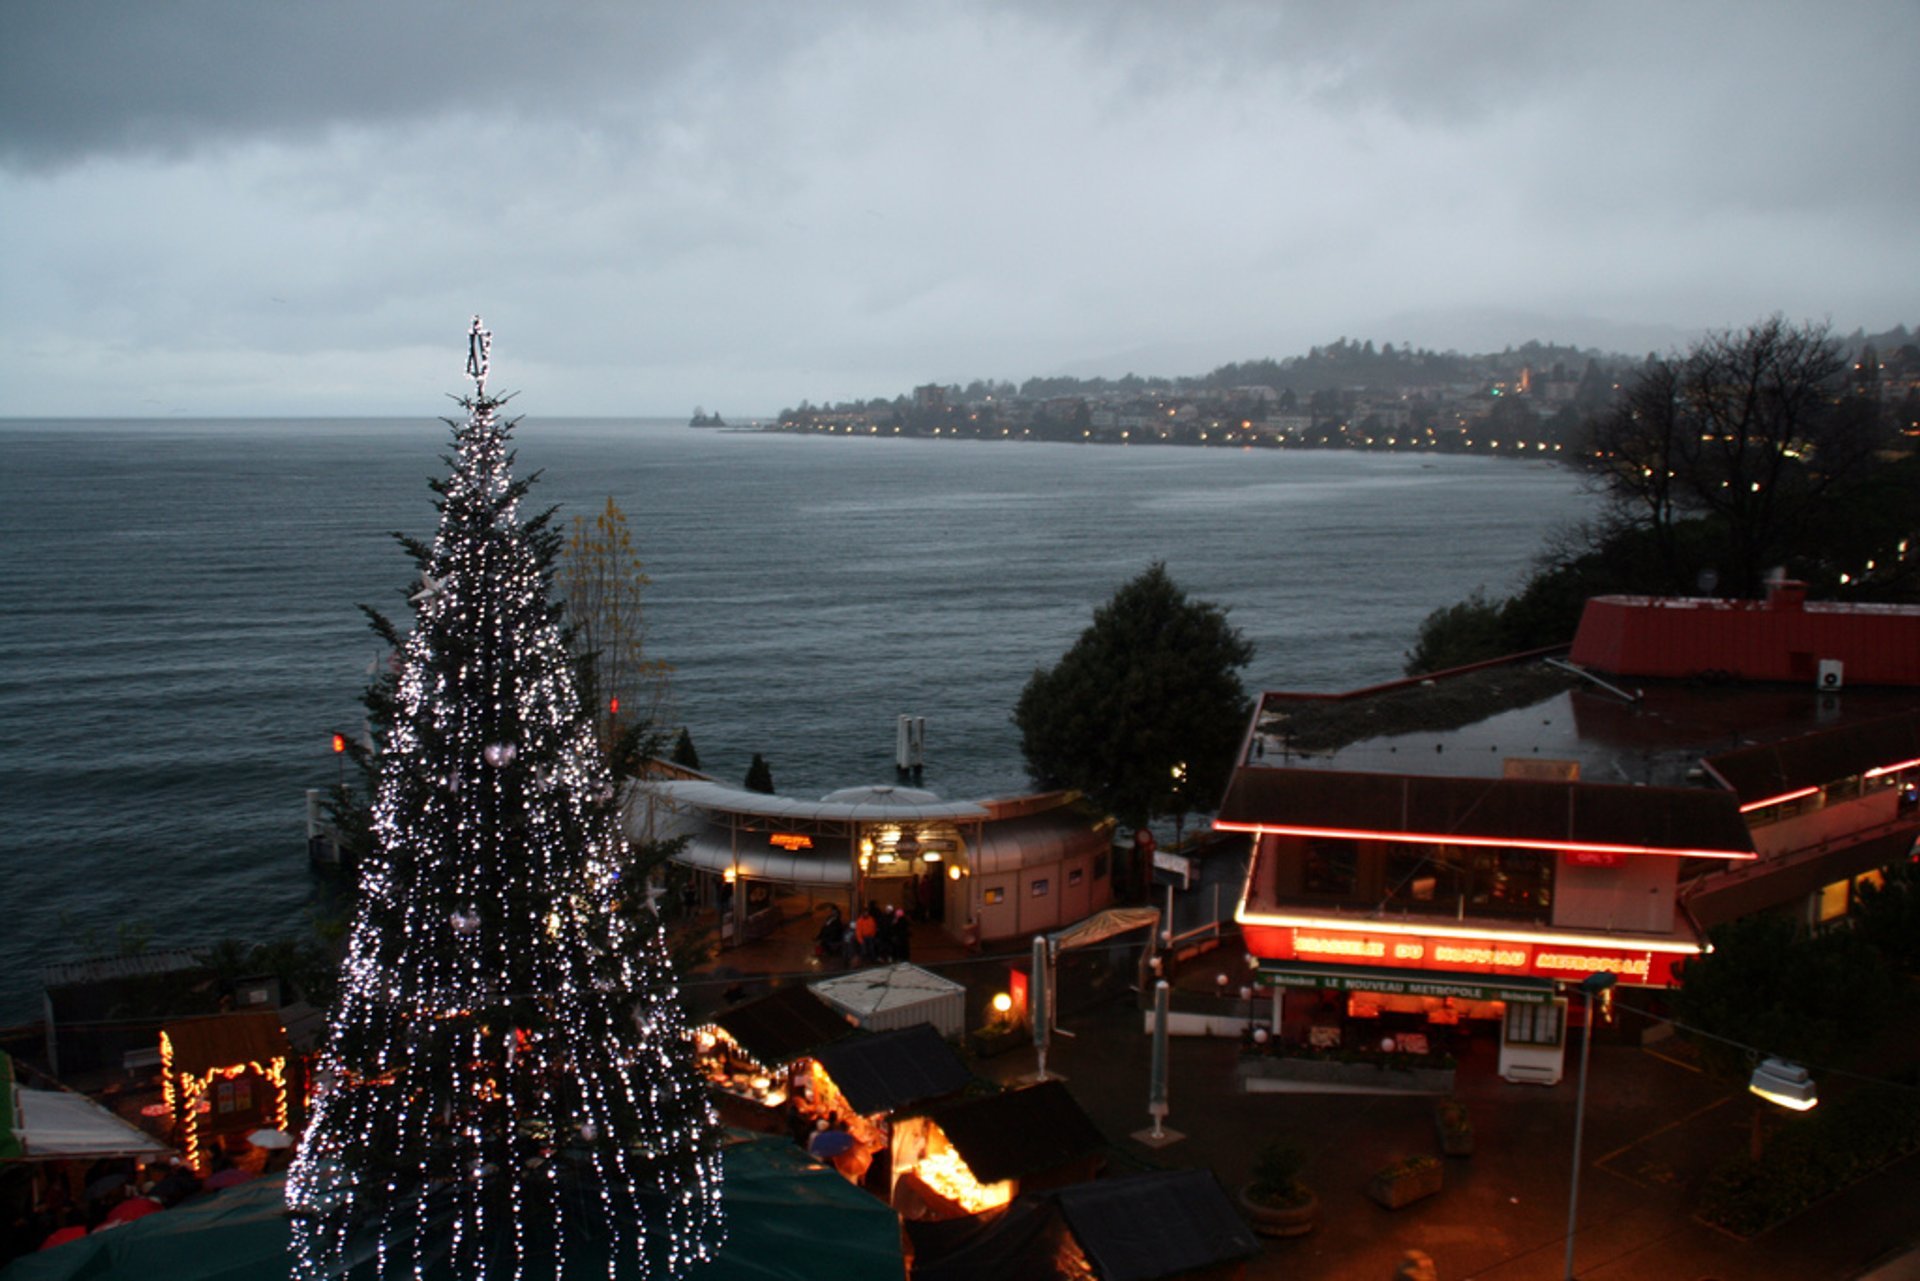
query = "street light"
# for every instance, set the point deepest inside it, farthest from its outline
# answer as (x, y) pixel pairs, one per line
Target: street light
(1777, 1081)
(1590, 987)
(1788, 1084)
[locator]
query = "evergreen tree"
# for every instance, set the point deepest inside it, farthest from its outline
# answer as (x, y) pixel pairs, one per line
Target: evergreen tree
(759, 775)
(683, 750)
(1151, 688)
(508, 1082)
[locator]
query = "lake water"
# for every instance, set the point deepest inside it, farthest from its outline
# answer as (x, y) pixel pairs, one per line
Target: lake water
(180, 638)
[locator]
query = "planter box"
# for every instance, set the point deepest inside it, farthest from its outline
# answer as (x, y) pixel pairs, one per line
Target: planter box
(1395, 1189)
(1456, 1139)
(1273, 1221)
(1334, 1076)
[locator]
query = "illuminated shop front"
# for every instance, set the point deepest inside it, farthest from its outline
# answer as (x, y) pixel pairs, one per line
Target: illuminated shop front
(1472, 845)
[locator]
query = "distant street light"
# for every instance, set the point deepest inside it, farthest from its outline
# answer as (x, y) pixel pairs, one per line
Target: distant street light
(1591, 986)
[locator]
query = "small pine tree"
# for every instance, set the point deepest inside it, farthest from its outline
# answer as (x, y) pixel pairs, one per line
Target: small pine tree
(683, 750)
(759, 775)
(507, 1082)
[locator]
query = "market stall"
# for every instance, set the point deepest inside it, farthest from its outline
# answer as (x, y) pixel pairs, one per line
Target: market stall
(224, 1075)
(896, 996)
(756, 1054)
(856, 1086)
(974, 1154)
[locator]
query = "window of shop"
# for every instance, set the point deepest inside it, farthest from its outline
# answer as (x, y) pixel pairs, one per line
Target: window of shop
(1489, 881)
(1332, 868)
(1830, 903)
(1535, 1024)
(1414, 877)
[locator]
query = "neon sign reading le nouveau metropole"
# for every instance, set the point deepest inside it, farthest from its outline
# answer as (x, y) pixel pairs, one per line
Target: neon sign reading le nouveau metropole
(1499, 956)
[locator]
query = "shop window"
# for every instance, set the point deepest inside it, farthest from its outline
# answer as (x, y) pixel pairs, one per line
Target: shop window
(1542, 1024)
(1844, 790)
(1040, 887)
(1075, 876)
(993, 894)
(1415, 877)
(1333, 868)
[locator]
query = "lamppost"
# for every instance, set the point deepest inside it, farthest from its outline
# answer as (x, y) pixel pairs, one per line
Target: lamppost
(1591, 986)
(1179, 773)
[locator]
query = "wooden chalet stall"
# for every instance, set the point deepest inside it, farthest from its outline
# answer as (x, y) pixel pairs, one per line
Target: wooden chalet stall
(756, 1054)
(859, 1083)
(964, 1157)
(223, 1075)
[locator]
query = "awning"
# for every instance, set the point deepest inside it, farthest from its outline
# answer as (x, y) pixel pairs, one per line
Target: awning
(51, 1125)
(1357, 978)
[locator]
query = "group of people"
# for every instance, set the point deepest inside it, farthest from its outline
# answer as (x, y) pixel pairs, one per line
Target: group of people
(878, 935)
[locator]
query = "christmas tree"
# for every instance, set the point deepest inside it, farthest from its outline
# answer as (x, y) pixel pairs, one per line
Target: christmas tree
(508, 1086)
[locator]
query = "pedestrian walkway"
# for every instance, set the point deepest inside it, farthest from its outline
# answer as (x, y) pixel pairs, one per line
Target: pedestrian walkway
(1654, 1129)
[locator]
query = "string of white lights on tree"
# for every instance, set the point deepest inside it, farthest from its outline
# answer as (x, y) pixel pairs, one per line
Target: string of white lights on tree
(508, 1082)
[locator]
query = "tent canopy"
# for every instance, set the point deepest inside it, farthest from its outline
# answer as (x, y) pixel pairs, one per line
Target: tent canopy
(788, 1219)
(51, 1125)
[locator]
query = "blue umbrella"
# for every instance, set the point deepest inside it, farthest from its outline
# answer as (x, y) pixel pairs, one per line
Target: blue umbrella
(828, 1144)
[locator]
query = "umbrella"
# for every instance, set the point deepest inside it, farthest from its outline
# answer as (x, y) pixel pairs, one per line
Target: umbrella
(63, 1236)
(134, 1207)
(225, 1179)
(829, 1144)
(270, 1139)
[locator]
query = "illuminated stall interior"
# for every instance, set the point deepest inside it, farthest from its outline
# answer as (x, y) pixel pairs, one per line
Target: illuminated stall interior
(223, 1075)
(973, 1155)
(759, 1050)
(859, 1083)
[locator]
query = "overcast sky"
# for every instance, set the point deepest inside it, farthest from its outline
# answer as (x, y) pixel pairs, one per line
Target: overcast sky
(238, 207)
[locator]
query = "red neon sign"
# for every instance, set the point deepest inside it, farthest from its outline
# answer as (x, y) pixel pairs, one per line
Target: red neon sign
(1491, 955)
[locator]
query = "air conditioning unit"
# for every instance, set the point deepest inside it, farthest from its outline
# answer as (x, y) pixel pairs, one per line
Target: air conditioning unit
(1832, 674)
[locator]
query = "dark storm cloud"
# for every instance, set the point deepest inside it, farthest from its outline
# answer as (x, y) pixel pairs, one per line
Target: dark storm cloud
(79, 77)
(667, 204)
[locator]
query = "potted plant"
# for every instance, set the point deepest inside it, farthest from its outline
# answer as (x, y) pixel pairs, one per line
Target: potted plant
(1406, 1181)
(1276, 1202)
(1455, 1126)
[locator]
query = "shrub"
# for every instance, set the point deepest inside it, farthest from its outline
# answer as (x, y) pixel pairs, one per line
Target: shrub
(1276, 1176)
(1809, 1158)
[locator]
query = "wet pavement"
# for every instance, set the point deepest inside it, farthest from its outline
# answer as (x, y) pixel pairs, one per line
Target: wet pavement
(1655, 1127)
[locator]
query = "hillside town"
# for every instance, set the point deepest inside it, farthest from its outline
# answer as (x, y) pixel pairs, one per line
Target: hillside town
(1528, 401)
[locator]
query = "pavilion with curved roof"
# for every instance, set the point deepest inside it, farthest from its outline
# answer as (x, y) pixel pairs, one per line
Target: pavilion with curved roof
(1014, 866)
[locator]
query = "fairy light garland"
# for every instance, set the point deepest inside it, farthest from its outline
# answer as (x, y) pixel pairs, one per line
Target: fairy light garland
(505, 1038)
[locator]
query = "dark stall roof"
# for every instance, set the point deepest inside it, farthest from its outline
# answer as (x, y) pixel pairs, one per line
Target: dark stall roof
(1163, 1224)
(786, 1024)
(1511, 811)
(223, 1040)
(1811, 760)
(1020, 1132)
(892, 1070)
(1023, 1241)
